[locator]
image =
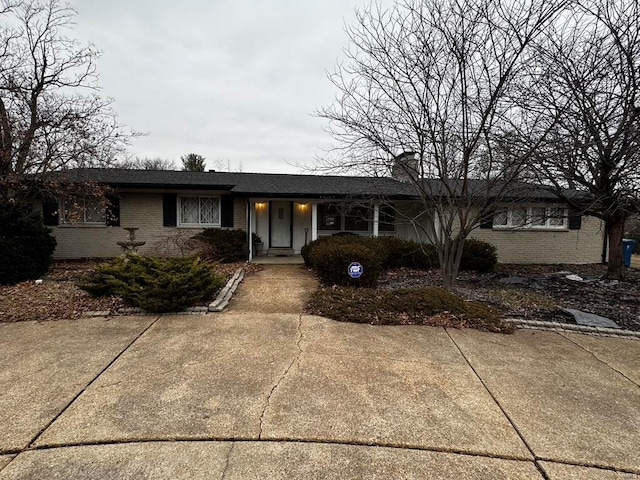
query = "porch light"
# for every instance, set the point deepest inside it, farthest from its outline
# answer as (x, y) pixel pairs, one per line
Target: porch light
(302, 207)
(261, 205)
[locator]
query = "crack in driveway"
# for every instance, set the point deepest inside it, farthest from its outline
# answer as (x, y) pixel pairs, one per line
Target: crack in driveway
(595, 355)
(296, 359)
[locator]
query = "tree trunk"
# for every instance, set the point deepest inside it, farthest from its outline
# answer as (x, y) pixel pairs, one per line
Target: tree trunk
(615, 269)
(450, 262)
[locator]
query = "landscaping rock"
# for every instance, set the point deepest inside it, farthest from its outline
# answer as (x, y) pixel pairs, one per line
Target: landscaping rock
(514, 280)
(575, 278)
(590, 319)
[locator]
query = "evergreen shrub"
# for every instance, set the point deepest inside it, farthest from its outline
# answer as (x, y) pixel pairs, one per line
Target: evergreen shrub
(26, 245)
(155, 284)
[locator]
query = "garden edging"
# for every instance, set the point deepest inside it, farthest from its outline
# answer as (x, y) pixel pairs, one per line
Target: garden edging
(222, 300)
(571, 328)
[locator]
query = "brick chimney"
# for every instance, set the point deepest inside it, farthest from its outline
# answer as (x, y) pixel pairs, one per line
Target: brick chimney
(405, 167)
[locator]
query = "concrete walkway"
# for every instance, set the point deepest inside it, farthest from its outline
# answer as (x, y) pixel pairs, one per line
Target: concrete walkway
(245, 394)
(279, 288)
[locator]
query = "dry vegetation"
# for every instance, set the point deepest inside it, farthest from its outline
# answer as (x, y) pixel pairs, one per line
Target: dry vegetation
(58, 296)
(542, 292)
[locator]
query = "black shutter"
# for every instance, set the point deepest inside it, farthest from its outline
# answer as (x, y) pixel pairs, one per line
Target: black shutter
(50, 207)
(170, 209)
(486, 222)
(112, 211)
(575, 219)
(226, 209)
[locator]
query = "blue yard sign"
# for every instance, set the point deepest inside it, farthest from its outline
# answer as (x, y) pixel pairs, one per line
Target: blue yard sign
(355, 270)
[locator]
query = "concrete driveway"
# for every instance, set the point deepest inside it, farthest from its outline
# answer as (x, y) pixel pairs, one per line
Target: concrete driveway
(247, 395)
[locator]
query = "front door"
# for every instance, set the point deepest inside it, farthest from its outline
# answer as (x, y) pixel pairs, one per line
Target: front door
(281, 228)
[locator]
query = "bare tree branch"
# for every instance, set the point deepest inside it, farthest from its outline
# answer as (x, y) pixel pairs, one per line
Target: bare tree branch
(51, 116)
(436, 78)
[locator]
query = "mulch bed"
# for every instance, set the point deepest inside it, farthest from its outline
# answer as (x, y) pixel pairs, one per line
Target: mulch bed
(58, 296)
(541, 293)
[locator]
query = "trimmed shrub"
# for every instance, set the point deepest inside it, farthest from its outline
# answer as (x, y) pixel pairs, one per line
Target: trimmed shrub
(154, 284)
(26, 244)
(308, 248)
(393, 252)
(401, 253)
(223, 245)
(331, 259)
(478, 256)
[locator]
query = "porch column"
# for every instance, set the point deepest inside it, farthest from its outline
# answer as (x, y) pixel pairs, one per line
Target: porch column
(376, 219)
(249, 229)
(314, 221)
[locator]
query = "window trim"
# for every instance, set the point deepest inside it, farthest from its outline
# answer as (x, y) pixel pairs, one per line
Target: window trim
(63, 218)
(182, 224)
(529, 218)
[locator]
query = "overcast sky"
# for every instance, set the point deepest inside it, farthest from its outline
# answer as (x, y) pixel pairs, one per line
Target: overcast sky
(232, 80)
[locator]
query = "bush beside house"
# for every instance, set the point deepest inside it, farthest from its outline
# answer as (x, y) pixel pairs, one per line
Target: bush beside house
(223, 245)
(26, 244)
(330, 256)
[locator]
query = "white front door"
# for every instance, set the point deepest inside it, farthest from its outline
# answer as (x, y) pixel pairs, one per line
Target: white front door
(281, 228)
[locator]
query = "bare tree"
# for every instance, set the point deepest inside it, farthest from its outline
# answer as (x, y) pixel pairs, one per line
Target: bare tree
(224, 165)
(591, 94)
(147, 163)
(193, 162)
(51, 117)
(435, 78)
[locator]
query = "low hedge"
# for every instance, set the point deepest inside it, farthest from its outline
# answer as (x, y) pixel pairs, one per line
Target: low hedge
(154, 284)
(395, 252)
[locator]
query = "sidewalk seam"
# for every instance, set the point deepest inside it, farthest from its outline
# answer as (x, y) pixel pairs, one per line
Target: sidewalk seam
(504, 412)
(597, 357)
(353, 443)
(66, 407)
(590, 465)
(295, 359)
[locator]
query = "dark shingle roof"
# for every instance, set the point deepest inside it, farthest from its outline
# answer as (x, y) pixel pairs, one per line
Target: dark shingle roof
(246, 183)
(288, 185)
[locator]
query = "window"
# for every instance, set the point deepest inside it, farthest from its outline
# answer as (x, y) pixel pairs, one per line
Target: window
(199, 211)
(83, 210)
(387, 219)
(357, 219)
(535, 216)
(329, 217)
(501, 218)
